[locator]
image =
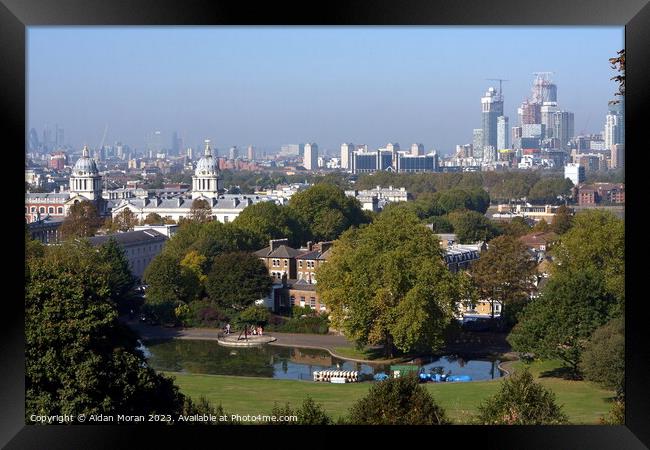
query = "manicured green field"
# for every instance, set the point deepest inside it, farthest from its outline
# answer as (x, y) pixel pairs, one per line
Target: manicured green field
(583, 402)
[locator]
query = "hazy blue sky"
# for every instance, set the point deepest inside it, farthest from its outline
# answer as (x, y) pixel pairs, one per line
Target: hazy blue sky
(269, 86)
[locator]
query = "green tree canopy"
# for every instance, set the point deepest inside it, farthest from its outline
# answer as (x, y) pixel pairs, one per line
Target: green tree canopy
(548, 189)
(267, 221)
(79, 358)
(596, 241)
(504, 272)
(516, 227)
(387, 284)
(397, 401)
(603, 359)
(170, 285)
(326, 212)
(562, 221)
(471, 226)
(237, 279)
(82, 221)
(201, 211)
(125, 220)
(120, 278)
(521, 401)
(153, 219)
(559, 323)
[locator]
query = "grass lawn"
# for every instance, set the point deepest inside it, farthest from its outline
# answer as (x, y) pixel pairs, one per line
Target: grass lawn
(583, 402)
(368, 354)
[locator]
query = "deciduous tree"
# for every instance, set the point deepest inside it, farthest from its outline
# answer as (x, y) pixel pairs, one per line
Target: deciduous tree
(82, 221)
(79, 358)
(237, 279)
(559, 323)
(387, 284)
(504, 272)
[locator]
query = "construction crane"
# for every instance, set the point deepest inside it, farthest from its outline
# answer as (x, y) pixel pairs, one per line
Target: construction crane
(500, 80)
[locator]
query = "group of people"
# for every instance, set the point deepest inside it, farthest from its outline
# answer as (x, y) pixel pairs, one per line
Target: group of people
(256, 331)
(253, 330)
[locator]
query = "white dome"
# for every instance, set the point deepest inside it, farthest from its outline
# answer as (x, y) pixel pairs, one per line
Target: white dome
(207, 165)
(85, 165)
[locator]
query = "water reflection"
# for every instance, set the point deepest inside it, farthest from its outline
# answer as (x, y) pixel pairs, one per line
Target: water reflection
(207, 357)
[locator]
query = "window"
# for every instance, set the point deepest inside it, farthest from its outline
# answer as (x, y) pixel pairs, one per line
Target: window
(293, 299)
(300, 264)
(225, 219)
(300, 275)
(33, 208)
(59, 210)
(41, 209)
(312, 302)
(286, 262)
(50, 210)
(302, 301)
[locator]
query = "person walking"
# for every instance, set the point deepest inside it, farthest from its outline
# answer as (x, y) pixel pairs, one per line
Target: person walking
(228, 328)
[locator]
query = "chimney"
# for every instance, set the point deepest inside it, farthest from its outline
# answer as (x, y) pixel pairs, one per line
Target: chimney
(277, 243)
(324, 246)
(310, 246)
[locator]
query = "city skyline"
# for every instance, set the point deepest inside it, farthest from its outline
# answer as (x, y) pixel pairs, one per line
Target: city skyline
(269, 86)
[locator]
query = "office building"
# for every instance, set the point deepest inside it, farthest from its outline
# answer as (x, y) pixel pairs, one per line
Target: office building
(617, 156)
(251, 153)
(547, 113)
(491, 109)
(310, 156)
(575, 173)
(346, 155)
(417, 149)
(503, 135)
(233, 153)
(563, 128)
(477, 142)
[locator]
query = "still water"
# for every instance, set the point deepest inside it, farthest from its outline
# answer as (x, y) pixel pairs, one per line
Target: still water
(289, 363)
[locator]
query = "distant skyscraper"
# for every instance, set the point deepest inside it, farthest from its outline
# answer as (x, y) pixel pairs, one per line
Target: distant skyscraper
(177, 144)
(547, 111)
(310, 157)
(503, 133)
(615, 126)
(529, 113)
(154, 143)
(189, 153)
(251, 153)
(59, 137)
(346, 155)
(491, 109)
(543, 89)
(563, 128)
(233, 153)
(617, 156)
(477, 142)
(417, 149)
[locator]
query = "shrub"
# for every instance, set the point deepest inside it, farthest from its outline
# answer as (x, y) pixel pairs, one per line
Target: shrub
(603, 359)
(521, 401)
(310, 413)
(397, 401)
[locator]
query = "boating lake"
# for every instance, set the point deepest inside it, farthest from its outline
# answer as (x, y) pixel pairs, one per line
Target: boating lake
(289, 363)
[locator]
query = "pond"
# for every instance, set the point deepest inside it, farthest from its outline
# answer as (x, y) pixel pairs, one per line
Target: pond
(288, 363)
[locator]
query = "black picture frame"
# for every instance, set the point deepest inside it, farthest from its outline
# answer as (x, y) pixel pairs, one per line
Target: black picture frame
(16, 15)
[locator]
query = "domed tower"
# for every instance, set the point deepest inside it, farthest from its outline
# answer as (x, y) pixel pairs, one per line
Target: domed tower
(85, 180)
(205, 182)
